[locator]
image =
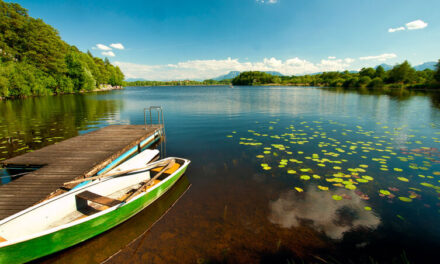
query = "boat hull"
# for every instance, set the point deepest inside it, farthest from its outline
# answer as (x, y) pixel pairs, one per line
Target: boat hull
(53, 242)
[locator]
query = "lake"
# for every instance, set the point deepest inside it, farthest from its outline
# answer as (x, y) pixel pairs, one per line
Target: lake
(278, 174)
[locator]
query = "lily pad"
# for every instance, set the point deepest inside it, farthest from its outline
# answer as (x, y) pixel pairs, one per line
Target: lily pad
(403, 179)
(336, 197)
(384, 192)
(305, 177)
(299, 189)
(350, 186)
(405, 199)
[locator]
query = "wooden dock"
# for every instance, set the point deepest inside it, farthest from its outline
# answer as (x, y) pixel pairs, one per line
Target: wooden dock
(74, 158)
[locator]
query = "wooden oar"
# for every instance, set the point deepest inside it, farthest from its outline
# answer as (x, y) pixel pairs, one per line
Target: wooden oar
(119, 173)
(147, 183)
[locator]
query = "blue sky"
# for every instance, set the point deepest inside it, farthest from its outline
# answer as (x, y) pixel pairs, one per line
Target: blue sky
(176, 39)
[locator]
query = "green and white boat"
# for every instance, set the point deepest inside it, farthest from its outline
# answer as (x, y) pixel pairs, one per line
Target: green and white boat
(85, 212)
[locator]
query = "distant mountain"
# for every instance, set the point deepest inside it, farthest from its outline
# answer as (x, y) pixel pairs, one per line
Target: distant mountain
(134, 79)
(230, 75)
(386, 67)
(274, 73)
(427, 65)
(233, 74)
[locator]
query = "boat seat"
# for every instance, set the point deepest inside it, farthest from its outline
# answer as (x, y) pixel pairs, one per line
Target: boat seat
(169, 171)
(153, 183)
(2, 239)
(96, 198)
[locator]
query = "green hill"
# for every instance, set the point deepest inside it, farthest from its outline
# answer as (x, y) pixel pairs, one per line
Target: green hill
(34, 60)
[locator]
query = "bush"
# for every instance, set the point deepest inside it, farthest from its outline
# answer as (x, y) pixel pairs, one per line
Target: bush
(350, 83)
(376, 83)
(363, 81)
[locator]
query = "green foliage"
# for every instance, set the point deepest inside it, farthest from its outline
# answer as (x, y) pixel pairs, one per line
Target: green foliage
(350, 83)
(370, 72)
(34, 60)
(363, 81)
(254, 78)
(177, 83)
(375, 83)
(402, 73)
(437, 72)
(380, 72)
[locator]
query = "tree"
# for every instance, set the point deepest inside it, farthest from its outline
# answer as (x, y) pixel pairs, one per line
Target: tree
(363, 81)
(402, 73)
(350, 83)
(437, 72)
(79, 73)
(380, 72)
(253, 78)
(376, 83)
(34, 60)
(370, 72)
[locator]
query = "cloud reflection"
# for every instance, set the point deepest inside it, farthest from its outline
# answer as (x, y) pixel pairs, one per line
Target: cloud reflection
(334, 218)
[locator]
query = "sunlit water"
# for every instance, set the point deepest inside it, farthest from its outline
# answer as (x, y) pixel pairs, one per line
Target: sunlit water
(278, 173)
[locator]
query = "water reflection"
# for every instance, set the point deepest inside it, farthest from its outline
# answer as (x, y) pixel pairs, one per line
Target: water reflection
(318, 209)
(32, 123)
(124, 236)
(227, 208)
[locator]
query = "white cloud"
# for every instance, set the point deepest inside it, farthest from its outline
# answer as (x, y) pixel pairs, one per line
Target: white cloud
(108, 53)
(103, 47)
(335, 65)
(416, 24)
(322, 212)
(205, 69)
(391, 30)
(382, 57)
(331, 57)
(117, 46)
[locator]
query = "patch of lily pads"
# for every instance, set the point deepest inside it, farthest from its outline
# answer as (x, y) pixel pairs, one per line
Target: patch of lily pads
(359, 159)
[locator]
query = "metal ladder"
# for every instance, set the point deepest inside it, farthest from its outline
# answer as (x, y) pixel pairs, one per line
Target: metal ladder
(160, 121)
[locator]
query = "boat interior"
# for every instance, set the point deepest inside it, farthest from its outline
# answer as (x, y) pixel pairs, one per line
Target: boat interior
(80, 203)
(89, 203)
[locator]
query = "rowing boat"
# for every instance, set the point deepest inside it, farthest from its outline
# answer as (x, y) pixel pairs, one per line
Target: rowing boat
(85, 212)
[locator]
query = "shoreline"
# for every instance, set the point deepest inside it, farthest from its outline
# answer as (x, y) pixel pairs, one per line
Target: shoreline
(104, 88)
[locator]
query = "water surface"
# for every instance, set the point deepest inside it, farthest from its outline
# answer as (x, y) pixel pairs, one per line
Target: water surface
(278, 173)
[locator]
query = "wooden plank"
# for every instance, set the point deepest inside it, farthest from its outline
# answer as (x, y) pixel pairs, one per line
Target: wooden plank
(71, 159)
(96, 198)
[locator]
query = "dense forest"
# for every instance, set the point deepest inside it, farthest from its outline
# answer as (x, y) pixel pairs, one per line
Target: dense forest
(34, 60)
(177, 83)
(401, 75)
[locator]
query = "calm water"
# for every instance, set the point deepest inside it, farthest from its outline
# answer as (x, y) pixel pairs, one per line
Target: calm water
(278, 174)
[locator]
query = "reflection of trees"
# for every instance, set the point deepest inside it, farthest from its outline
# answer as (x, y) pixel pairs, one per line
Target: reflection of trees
(51, 116)
(435, 99)
(397, 94)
